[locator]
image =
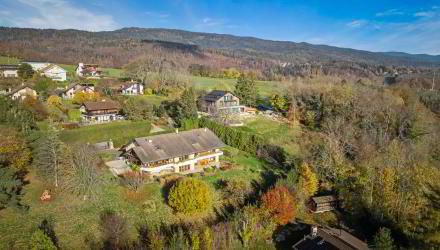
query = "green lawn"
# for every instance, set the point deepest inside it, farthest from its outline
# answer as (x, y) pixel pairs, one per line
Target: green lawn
(153, 99)
(120, 132)
(111, 72)
(265, 88)
(9, 60)
(275, 132)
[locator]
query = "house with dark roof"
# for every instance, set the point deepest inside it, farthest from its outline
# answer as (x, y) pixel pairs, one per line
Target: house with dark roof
(324, 203)
(100, 111)
(328, 238)
(70, 91)
(220, 102)
(180, 152)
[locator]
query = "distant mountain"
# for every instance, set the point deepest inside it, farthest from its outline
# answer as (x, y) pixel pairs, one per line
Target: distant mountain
(119, 47)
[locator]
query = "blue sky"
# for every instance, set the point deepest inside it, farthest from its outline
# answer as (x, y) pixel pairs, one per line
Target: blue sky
(396, 25)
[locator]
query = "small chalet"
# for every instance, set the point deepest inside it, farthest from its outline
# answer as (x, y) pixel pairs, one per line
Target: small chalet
(132, 88)
(74, 88)
(324, 238)
(9, 70)
(326, 203)
(179, 152)
(88, 70)
(22, 93)
(103, 111)
(219, 102)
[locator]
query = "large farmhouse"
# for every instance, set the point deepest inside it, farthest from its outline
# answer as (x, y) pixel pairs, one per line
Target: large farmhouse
(219, 102)
(49, 70)
(88, 70)
(103, 111)
(180, 152)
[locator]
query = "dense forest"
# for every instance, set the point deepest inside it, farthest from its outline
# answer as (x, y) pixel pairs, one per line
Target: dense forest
(267, 59)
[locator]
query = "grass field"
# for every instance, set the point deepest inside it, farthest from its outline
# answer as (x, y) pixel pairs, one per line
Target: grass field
(9, 60)
(275, 132)
(111, 72)
(120, 132)
(265, 88)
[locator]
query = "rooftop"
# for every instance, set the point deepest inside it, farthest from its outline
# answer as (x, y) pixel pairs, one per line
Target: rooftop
(171, 145)
(102, 105)
(215, 95)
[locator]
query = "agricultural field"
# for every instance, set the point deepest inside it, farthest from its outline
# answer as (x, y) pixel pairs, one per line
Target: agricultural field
(120, 132)
(265, 88)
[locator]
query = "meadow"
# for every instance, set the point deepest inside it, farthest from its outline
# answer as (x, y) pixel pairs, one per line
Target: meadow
(120, 132)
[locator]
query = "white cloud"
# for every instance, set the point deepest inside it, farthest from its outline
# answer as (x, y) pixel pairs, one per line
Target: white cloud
(60, 14)
(207, 21)
(357, 23)
(391, 12)
(425, 14)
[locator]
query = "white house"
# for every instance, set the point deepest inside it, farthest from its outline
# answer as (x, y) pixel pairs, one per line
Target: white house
(181, 152)
(54, 72)
(22, 93)
(9, 70)
(49, 70)
(88, 70)
(74, 88)
(132, 88)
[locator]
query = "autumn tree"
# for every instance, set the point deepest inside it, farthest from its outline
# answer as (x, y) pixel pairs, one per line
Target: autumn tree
(279, 103)
(137, 109)
(13, 149)
(81, 97)
(246, 90)
(190, 196)
(307, 181)
(280, 204)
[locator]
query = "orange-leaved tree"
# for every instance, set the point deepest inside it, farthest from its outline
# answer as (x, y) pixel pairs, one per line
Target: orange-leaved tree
(280, 203)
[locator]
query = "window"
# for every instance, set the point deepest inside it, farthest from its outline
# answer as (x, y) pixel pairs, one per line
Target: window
(184, 168)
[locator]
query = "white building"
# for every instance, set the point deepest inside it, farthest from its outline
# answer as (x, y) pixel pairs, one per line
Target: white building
(88, 70)
(22, 93)
(9, 70)
(181, 152)
(54, 72)
(74, 88)
(49, 70)
(132, 88)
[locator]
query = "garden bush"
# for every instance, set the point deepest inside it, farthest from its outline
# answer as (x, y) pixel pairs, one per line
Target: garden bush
(190, 196)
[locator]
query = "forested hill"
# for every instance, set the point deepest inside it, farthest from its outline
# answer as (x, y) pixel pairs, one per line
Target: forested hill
(119, 47)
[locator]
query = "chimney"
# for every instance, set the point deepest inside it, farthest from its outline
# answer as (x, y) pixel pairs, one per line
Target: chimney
(150, 141)
(205, 129)
(314, 231)
(177, 130)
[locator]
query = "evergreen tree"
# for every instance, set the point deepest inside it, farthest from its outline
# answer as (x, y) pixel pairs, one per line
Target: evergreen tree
(383, 240)
(25, 71)
(188, 103)
(10, 186)
(40, 241)
(246, 90)
(50, 155)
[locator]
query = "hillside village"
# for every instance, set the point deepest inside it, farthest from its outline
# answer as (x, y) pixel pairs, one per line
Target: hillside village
(168, 139)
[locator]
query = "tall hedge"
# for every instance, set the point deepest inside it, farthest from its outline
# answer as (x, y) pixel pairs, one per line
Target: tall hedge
(243, 140)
